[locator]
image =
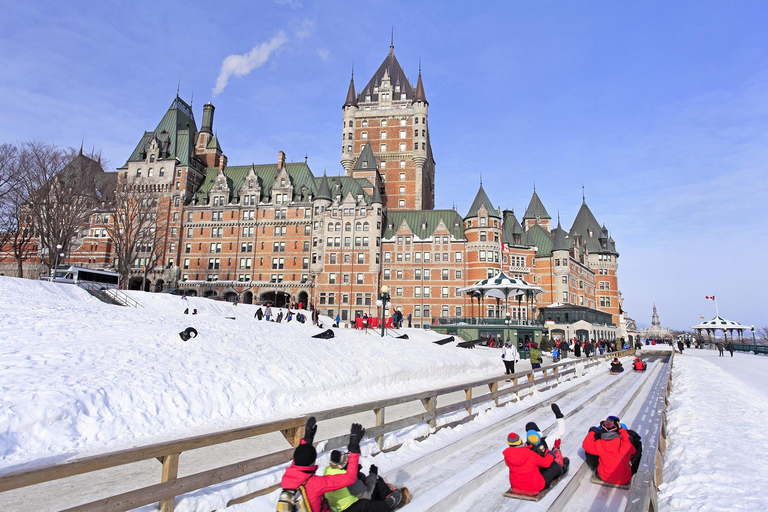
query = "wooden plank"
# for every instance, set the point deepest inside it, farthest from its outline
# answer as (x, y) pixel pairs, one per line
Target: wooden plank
(170, 472)
(494, 387)
(430, 404)
(23, 478)
(163, 491)
(468, 396)
(254, 494)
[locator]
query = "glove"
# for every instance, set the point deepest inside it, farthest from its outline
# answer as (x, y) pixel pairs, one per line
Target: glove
(355, 436)
(557, 444)
(310, 429)
(556, 410)
(595, 430)
(374, 470)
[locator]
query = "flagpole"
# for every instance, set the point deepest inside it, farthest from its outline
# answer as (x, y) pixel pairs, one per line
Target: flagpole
(717, 311)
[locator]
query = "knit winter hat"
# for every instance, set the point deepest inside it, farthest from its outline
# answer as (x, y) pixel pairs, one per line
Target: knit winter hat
(533, 437)
(609, 426)
(304, 455)
(514, 439)
(532, 426)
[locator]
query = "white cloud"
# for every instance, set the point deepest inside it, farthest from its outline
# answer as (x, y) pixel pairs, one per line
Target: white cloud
(324, 53)
(305, 29)
(294, 4)
(241, 65)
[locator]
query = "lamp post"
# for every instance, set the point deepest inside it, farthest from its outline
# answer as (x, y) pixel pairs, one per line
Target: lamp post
(506, 321)
(384, 298)
(56, 263)
(754, 342)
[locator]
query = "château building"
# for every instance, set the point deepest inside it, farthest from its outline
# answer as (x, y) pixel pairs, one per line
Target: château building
(278, 232)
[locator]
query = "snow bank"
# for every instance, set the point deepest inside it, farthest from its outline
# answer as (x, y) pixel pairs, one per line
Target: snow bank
(80, 377)
(716, 428)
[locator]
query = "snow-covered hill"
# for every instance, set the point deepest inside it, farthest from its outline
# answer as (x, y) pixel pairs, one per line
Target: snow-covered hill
(80, 377)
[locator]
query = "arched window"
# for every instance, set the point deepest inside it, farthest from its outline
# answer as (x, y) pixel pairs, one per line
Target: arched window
(348, 226)
(138, 173)
(366, 227)
(358, 226)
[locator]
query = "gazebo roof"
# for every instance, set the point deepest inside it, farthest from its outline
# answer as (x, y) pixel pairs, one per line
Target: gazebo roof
(720, 323)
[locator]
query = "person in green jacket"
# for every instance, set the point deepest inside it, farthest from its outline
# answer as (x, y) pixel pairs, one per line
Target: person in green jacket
(535, 355)
(357, 497)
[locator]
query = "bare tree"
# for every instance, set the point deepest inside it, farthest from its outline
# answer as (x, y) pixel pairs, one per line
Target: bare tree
(16, 228)
(132, 228)
(61, 194)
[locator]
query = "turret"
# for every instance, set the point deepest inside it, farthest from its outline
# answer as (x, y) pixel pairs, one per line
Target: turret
(348, 143)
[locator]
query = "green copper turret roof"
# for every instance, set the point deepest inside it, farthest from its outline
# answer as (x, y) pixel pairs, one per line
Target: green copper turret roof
(539, 237)
(214, 143)
(536, 208)
(324, 190)
(419, 94)
(351, 100)
(511, 230)
(481, 199)
(561, 241)
(587, 226)
(366, 160)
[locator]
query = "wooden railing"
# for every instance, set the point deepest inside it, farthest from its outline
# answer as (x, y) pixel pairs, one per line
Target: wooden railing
(171, 486)
(643, 495)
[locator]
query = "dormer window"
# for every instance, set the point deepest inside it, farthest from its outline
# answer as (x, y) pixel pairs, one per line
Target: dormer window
(590, 233)
(250, 184)
(423, 225)
(365, 165)
(138, 173)
(538, 218)
(151, 158)
(359, 197)
(397, 88)
(282, 182)
(367, 97)
(376, 90)
(221, 186)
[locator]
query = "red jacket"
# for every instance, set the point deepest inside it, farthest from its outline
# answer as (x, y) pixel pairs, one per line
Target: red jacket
(639, 365)
(524, 464)
(614, 457)
(317, 485)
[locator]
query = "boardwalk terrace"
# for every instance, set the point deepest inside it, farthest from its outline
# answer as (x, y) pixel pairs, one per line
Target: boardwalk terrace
(277, 232)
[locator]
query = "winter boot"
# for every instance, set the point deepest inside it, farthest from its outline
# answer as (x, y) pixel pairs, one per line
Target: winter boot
(566, 463)
(393, 500)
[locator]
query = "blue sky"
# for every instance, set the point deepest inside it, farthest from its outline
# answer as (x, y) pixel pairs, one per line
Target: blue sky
(660, 109)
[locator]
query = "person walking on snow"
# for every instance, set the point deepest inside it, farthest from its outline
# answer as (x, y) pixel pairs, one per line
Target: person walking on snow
(720, 348)
(510, 356)
(303, 468)
(268, 312)
(535, 356)
(730, 348)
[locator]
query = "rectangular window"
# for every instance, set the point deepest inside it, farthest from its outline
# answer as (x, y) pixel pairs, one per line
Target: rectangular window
(457, 257)
(445, 292)
(458, 274)
(445, 274)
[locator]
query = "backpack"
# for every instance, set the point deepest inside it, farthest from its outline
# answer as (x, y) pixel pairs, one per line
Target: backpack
(293, 500)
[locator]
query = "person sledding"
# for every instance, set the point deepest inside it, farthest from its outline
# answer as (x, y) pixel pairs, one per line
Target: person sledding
(367, 494)
(300, 483)
(611, 452)
(532, 466)
(639, 366)
(616, 366)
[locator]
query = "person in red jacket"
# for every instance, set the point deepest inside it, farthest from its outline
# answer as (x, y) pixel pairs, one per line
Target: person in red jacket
(532, 467)
(611, 450)
(302, 469)
(639, 365)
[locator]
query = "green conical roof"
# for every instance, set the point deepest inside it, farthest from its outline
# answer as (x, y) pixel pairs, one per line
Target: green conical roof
(536, 208)
(561, 241)
(324, 190)
(214, 143)
(481, 199)
(351, 96)
(176, 131)
(510, 228)
(366, 160)
(584, 224)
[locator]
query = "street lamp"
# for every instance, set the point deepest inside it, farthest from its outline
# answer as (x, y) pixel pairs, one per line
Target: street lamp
(384, 299)
(56, 263)
(754, 342)
(507, 322)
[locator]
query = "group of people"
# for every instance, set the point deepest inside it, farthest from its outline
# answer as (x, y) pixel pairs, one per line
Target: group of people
(290, 315)
(343, 487)
(613, 454)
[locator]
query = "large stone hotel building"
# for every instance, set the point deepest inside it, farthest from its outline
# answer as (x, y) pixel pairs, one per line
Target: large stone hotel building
(278, 232)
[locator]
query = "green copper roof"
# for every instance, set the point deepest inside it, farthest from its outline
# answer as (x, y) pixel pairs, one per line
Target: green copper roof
(301, 177)
(541, 239)
(178, 123)
(561, 241)
(346, 185)
(481, 199)
(512, 230)
(323, 189)
(214, 143)
(424, 222)
(585, 223)
(536, 208)
(366, 160)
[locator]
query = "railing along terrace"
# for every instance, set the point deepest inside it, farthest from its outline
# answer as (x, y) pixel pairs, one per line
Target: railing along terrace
(499, 389)
(513, 322)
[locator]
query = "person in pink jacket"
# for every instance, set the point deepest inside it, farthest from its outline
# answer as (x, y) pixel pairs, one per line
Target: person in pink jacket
(303, 468)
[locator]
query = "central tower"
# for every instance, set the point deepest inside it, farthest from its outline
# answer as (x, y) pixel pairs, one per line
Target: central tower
(391, 115)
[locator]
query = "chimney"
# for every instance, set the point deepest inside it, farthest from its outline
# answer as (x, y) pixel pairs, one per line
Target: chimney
(207, 127)
(280, 160)
(222, 163)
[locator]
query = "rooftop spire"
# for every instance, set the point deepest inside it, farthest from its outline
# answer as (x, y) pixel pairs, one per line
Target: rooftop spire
(419, 94)
(583, 195)
(392, 41)
(351, 100)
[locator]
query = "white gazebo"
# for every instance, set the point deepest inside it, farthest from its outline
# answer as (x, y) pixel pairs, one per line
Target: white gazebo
(501, 286)
(721, 324)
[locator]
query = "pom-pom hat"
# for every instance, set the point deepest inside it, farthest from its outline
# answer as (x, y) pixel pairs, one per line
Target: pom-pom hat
(533, 437)
(514, 439)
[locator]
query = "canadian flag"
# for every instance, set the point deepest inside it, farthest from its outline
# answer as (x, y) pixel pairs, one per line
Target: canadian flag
(710, 298)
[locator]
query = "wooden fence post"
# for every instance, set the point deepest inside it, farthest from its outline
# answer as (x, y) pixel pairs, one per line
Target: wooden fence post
(430, 404)
(494, 387)
(468, 396)
(379, 422)
(170, 472)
